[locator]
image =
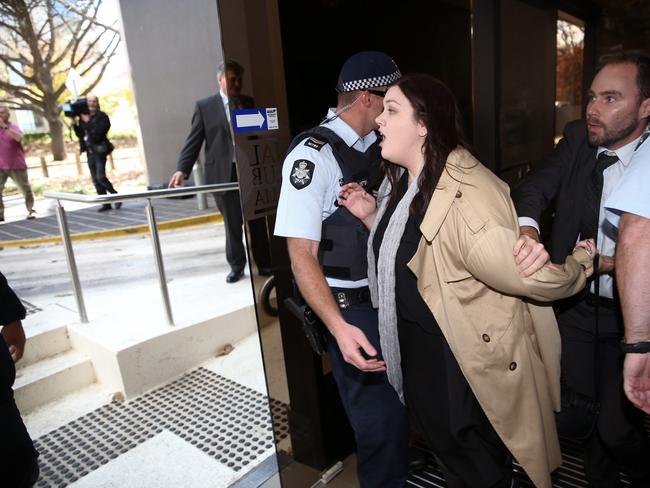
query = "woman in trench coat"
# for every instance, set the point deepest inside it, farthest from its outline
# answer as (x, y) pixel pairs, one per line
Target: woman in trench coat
(466, 342)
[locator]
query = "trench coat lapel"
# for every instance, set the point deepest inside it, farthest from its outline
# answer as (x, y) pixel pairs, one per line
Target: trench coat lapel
(444, 195)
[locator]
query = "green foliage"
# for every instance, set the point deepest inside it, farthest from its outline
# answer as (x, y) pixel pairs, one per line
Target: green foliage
(118, 97)
(121, 135)
(43, 137)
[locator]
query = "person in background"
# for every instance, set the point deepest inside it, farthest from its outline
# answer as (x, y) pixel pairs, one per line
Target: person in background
(574, 182)
(92, 130)
(12, 162)
(211, 125)
(18, 458)
(475, 362)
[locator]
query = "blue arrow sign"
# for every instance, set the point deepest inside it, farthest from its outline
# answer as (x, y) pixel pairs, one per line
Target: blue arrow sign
(255, 119)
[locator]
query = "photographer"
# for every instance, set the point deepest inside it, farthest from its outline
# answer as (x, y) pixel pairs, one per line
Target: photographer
(91, 129)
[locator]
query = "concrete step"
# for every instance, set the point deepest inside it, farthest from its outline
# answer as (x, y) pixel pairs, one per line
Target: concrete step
(63, 410)
(45, 345)
(52, 378)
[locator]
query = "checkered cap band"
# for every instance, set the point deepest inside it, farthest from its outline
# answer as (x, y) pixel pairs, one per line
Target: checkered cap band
(366, 83)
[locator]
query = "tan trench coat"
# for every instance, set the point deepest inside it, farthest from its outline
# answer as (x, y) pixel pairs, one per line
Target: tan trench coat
(507, 348)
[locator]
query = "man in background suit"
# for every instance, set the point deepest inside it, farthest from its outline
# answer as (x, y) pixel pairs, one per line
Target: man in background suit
(576, 179)
(211, 124)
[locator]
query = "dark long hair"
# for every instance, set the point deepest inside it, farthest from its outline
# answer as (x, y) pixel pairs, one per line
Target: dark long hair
(436, 108)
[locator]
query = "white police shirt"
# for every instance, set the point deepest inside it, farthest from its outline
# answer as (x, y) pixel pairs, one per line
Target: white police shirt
(631, 195)
(311, 179)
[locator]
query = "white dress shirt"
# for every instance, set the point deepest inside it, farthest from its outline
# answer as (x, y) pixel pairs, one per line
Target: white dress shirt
(301, 212)
(605, 243)
(632, 195)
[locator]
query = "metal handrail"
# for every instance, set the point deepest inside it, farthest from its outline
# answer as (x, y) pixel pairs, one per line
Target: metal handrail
(150, 194)
(153, 228)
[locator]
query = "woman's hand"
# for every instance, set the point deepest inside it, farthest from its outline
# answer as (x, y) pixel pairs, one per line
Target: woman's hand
(358, 202)
(588, 245)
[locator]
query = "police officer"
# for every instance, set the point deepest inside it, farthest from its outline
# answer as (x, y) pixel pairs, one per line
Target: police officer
(327, 247)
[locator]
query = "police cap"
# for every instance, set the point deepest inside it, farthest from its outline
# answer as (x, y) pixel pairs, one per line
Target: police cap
(367, 69)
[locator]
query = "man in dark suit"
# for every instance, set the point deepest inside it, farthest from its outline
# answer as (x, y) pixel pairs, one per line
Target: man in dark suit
(576, 179)
(211, 124)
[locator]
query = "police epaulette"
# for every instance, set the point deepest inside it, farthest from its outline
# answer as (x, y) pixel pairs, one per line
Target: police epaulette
(314, 143)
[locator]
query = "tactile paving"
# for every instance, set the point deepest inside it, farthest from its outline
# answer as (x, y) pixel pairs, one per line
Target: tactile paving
(226, 420)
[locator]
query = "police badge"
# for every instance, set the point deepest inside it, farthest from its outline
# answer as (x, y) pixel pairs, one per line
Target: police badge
(302, 173)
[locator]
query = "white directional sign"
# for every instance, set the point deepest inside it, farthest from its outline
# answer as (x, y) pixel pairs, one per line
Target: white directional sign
(255, 119)
(250, 120)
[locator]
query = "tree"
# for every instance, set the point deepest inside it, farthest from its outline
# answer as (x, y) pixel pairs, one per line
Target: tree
(40, 41)
(570, 56)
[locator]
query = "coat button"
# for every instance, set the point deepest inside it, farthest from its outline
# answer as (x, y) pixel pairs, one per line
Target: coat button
(512, 366)
(486, 337)
(459, 194)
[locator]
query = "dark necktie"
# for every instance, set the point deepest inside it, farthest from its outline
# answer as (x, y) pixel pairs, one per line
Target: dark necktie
(594, 190)
(235, 104)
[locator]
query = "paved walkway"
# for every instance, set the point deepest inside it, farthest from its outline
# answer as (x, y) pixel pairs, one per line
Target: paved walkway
(85, 222)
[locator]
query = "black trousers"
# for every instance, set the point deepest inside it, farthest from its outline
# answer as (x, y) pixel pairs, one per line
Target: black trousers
(446, 412)
(618, 442)
(18, 458)
(229, 206)
(97, 166)
(377, 416)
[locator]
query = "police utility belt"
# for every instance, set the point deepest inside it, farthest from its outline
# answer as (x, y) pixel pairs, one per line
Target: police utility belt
(314, 330)
(347, 297)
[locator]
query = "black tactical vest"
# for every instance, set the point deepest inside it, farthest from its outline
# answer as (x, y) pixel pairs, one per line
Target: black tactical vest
(342, 252)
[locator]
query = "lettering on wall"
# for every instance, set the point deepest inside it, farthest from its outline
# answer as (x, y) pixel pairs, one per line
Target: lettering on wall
(259, 166)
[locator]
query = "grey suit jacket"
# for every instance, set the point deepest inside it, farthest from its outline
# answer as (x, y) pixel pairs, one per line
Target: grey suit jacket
(210, 125)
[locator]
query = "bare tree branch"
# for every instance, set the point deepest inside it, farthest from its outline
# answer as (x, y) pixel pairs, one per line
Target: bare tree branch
(84, 15)
(85, 29)
(9, 63)
(9, 27)
(40, 40)
(12, 104)
(104, 53)
(99, 76)
(75, 37)
(18, 92)
(20, 89)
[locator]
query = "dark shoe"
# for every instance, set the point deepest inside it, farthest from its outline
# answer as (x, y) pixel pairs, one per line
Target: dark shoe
(417, 460)
(265, 271)
(640, 482)
(104, 207)
(234, 276)
(117, 205)
(31, 215)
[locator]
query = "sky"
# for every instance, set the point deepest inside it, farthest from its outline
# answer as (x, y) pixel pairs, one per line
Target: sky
(118, 74)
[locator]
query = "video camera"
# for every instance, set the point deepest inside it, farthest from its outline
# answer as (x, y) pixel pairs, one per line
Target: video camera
(74, 108)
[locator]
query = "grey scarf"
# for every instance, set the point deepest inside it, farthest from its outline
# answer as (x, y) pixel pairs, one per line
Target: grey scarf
(381, 278)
